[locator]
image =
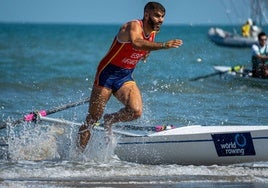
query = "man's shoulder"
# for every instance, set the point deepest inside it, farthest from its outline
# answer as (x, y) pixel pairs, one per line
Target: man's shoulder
(134, 22)
(255, 47)
(131, 23)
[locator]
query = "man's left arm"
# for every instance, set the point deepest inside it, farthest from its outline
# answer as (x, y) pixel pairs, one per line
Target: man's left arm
(135, 34)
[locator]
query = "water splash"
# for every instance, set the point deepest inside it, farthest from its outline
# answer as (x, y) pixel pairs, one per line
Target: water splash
(34, 142)
(100, 147)
(39, 142)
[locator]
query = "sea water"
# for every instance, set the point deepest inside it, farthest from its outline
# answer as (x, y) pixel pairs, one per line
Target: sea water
(44, 66)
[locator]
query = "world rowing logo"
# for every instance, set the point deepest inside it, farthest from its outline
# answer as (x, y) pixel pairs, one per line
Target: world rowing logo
(233, 144)
(240, 140)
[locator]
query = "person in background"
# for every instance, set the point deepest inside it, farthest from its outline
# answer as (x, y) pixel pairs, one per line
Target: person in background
(246, 28)
(260, 57)
(255, 30)
(133, 43)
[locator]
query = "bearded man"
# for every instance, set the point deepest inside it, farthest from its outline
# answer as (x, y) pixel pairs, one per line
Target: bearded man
(133, 43)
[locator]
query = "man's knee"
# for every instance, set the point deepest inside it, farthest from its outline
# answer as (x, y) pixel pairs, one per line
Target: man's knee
(136, 113)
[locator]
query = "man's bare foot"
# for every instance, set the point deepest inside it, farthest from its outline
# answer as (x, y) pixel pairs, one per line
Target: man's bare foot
(83, 136)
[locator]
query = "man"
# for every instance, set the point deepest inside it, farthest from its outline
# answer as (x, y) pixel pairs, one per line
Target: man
(259, 57)
(133, 42)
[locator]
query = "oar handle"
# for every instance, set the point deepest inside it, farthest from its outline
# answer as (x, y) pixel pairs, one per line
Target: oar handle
(159, 128)
(32, 116)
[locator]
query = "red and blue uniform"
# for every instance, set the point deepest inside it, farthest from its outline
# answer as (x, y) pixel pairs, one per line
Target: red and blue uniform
(118, 64)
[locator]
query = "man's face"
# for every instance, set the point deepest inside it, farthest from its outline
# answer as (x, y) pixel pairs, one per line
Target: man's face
(262, 40)
(155, 18)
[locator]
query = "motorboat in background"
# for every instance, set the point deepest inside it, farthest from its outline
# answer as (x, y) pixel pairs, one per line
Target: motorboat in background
(251, 29)
(224, 38)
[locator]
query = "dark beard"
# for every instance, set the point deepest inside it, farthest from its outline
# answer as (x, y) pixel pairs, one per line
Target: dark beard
(153, 25)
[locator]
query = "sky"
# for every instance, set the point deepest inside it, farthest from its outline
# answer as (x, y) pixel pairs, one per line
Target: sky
(190, 12)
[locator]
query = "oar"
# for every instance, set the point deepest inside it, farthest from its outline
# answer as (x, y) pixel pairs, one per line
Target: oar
(235, 69)
(32, 116)
(156, 128)
(208, 75)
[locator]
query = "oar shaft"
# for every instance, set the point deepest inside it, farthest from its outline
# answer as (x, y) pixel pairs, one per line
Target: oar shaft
(70, 105)
(223, 70)
(207, 76)
(32, 116)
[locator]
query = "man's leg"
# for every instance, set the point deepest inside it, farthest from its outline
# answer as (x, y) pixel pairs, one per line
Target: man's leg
(129, 94)
(98, 100)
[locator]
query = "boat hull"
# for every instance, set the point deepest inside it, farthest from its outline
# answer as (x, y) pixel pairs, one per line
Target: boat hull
(223, 38)
(197, 145)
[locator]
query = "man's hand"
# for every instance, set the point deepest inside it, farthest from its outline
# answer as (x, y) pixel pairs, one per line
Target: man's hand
(173, 44)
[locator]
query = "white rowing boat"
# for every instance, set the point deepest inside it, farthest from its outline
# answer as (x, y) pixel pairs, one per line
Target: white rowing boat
(197, 145)
(191, 145)
(239, 73)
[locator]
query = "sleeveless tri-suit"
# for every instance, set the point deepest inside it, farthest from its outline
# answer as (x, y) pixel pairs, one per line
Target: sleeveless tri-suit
(118, 64)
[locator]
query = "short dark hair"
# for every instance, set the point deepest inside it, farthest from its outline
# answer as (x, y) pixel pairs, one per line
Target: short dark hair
(154, 6)
(261, 34)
